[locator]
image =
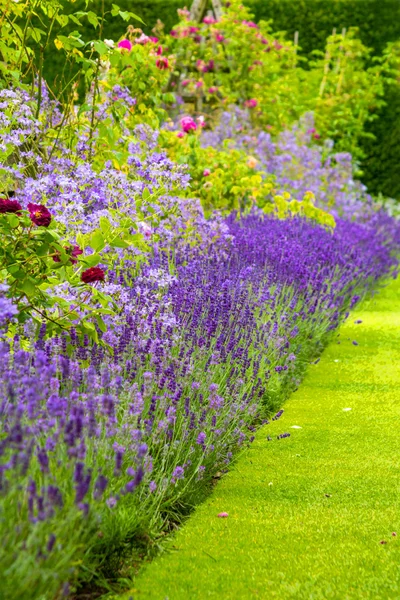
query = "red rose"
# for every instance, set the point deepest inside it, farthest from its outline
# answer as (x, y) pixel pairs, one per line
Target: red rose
(162, 63)
(73, 252)
(76, 251)
(39, 214)
(93, 274)
(9, 206)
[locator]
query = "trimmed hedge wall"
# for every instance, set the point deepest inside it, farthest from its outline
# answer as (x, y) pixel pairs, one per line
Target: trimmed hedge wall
(378, 20)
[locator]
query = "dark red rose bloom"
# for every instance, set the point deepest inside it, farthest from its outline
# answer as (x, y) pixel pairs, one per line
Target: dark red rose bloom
(39, 214)
(162, 63)
(9, 206)
(93, 274)
(76, 251)
(73, 251)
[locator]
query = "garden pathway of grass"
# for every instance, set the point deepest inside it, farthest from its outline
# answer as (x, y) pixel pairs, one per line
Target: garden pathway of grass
(307, 514)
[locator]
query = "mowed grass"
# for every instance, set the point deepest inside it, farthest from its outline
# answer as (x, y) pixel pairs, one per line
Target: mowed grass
(307, 514)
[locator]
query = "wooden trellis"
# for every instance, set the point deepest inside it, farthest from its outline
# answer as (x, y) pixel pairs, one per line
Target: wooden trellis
(198, 10)
(201, 7)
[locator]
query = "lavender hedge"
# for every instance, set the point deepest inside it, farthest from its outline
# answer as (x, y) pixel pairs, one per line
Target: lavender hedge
(102, 444)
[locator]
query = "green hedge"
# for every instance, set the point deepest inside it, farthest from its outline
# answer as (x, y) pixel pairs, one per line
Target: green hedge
(381, 167)
(378, 20)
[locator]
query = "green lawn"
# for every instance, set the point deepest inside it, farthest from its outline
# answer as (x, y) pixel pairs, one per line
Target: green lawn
(308, 513)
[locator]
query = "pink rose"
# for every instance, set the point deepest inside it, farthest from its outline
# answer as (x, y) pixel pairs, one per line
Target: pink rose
(162, 63)
(125, 45)
(252, 103)
(188, 124)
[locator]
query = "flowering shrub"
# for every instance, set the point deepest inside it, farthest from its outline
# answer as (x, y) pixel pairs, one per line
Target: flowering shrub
(235, 60)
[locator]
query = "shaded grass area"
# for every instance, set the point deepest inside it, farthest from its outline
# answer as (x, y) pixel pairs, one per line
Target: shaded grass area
(308, 513)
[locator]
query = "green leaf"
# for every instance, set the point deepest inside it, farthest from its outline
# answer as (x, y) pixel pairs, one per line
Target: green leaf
(105, 224)
(126, 15)
(118, 242)
(28, 287)
(97, 241)
(115, 10)
(62, 20)
(100, 47)
(13, 220)
(101, 324)
(92, 18)
(92, 260)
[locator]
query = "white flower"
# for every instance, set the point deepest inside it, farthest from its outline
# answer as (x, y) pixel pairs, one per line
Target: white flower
(110, 43)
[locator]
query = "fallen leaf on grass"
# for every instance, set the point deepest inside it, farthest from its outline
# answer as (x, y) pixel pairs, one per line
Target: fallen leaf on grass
(295, 427)
(346, 409)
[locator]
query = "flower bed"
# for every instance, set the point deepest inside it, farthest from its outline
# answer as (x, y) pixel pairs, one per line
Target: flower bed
(165, 278)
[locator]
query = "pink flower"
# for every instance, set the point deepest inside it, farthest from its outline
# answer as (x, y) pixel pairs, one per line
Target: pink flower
(212, 90)
(179, 134)
(125, 45)
(185, 82)
(173, 33)
(252, 103)
(199, 84)
(206, 172)
(145, 229)
(219, 37)
(162, 63)
(250, 24)
(223, 515)
(159, 51)
(153, 39)
(184, 13)
(143, 39)
(188, 124)
(209, 20)
(201, 121)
